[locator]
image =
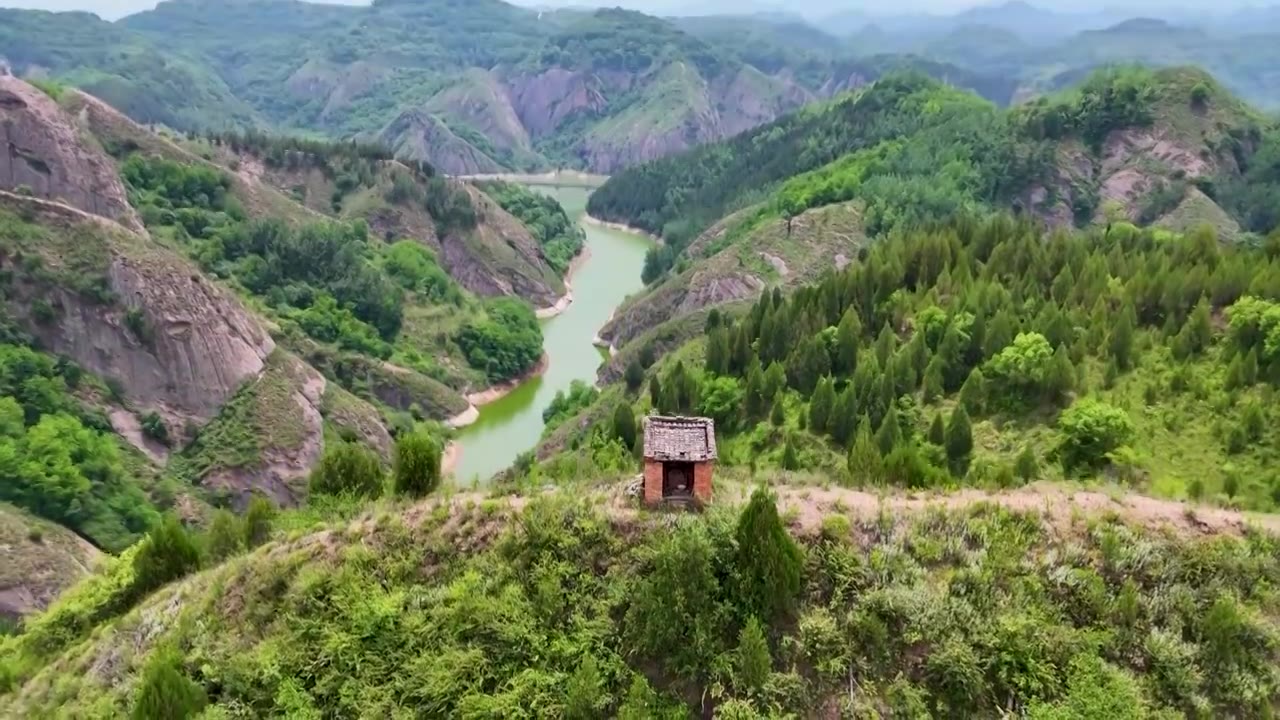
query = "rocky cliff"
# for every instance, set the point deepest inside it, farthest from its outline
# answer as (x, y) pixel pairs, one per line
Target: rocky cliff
(419, 135)
(42, 154)
(88, 282)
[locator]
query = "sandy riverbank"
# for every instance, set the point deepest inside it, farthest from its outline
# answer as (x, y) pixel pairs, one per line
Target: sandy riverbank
(601, 342)
(501, 390)
(563, 303)
(620, 227)
(570, 178)
(452, 456)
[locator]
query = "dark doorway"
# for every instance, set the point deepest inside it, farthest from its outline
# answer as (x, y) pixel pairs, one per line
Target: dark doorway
(677, 480)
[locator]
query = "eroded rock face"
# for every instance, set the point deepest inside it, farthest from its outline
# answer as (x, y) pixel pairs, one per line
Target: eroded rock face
(512, 262)
(197, 346)
(546, 100)
(419, 135)
(288, 453)
(41, 151)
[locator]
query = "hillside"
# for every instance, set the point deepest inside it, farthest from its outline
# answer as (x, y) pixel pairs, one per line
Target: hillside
(190, 323)
(559, 606)
(1170, 147)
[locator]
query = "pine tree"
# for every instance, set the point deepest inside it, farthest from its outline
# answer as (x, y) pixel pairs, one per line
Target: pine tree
(258, 519)
(755, 402)
(890, 433)
(790, 456)
(777, 416)
(808, 364)
(775, 380)
(641, 703)
(1120, 343)
(769, 562)
(165, 692)
(886, 345)
(847, 337)
(1000, 333)
(718, 359)
(741, 353)
(624, 425)
(932, 387)
(844, 417)
(1249, 368)
(634, 375)
(821, 405)
(167, 553)
(1197, 332)
(655, 392)
(1061, 379)
(225, 536)
(866, 464)
(585, 694)
(937, 431)
(974, 392)
(959, 441)
(752, 659)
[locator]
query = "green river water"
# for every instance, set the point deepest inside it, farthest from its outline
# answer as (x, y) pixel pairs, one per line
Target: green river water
(513, 424)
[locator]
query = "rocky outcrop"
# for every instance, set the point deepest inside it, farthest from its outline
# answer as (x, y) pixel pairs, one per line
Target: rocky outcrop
(479, 102)
(499, 257)
(284, 409)
(174, 341)
(41, 560)
(544, 101)
(419, 135)
(43, 154)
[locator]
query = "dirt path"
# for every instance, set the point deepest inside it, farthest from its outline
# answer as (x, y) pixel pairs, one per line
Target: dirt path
(1058, 505)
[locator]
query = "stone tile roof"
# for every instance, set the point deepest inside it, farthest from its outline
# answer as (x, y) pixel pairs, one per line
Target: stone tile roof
(679, 438)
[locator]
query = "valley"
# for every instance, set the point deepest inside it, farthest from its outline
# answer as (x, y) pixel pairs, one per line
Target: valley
(513, 424)
(330, 335)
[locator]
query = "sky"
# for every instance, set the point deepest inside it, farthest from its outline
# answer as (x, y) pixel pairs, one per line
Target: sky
(113, 9)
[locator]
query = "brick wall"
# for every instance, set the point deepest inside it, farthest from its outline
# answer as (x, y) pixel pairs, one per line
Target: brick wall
(702, 481)
(652, 482)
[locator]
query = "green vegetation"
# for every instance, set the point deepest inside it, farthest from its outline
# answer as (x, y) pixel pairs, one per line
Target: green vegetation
(329, 281)
(988, 353)
(416, 468)
(561, 238)
(885, 144)
(565, 405)
(348, 469)
(559, 609)
(911, 151)
(507, 343)
(59, 460)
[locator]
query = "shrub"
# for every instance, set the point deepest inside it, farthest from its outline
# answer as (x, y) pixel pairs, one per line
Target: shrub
(225, 536)
(416, 471)
(258, 518)
(1091, 430)
(768, 561)
(165, 692)
(167, 554)
(153, 427)
(347, 469)
(136, 321)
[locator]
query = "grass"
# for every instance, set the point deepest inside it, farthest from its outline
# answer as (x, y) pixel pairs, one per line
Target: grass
(262, 416)
(494, 609)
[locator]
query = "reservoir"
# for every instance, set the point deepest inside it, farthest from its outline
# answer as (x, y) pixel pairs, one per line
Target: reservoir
(513, 424)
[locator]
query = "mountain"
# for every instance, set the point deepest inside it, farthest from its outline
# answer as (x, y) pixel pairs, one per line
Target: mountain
(472, 88)
(782, 203)
(190, 322)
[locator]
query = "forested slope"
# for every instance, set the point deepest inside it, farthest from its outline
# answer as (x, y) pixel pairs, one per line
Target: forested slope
(193, 322)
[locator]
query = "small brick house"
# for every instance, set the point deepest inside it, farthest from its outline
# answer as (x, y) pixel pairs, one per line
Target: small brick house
(679, 453)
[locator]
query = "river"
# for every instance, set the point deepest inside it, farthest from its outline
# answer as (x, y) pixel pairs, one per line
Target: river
(513, 424)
